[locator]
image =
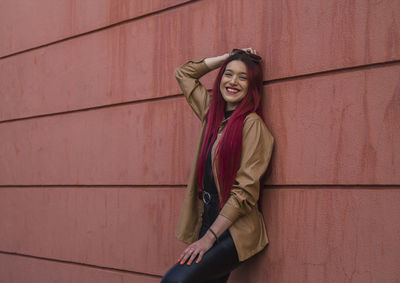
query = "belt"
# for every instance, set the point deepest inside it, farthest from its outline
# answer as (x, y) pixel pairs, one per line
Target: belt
(208, 197)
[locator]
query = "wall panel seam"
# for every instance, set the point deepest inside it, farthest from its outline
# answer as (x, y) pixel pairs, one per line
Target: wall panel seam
(268, 82)
(98, 29)
(183, 186)
(147, 186)
(80, 264)
(139, 101)
(334, 71)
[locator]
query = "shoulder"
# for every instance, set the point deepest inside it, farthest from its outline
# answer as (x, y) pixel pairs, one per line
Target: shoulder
(252, 118)
(254, 123)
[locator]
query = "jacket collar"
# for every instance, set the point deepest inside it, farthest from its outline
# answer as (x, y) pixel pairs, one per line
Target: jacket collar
(223, 123)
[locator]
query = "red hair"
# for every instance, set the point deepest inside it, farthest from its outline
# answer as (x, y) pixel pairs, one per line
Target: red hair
(229, 150)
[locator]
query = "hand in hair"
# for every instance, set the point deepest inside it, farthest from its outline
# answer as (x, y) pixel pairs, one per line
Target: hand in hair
(216, 62)
(250, 50)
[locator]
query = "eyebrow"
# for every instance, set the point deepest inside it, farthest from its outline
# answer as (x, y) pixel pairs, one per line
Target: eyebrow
(241, 73)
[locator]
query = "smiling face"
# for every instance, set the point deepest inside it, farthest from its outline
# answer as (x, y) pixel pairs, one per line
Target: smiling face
(234, 84)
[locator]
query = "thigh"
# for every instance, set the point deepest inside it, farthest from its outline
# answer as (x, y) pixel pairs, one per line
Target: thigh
(215, 266)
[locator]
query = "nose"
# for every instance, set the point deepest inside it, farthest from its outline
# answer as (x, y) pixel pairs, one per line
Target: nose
(233, 80)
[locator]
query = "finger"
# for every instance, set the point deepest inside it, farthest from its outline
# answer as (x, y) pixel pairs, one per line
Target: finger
(183, 259)
(192, 257)
(182, 255)
(200, 256)
(186, 256)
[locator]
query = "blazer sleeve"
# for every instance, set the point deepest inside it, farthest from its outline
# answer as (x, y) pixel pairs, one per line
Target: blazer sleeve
(257, 145)
(196, 94)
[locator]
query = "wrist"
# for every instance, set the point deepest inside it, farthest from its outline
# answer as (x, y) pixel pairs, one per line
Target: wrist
(209, 238)
(216, 62)
(223, 57)
(212, 235)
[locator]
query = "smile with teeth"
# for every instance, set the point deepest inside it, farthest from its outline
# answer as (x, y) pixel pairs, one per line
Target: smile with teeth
(232, 90)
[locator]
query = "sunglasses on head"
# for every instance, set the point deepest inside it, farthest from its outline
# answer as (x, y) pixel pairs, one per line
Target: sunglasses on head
(253, 57)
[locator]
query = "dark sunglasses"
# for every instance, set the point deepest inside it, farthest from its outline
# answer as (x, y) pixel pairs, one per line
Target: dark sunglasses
(253, 57)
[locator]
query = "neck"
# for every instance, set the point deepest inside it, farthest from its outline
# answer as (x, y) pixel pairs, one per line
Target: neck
(230, 106)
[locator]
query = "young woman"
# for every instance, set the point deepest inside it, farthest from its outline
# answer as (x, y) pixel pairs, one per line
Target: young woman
(220, 218)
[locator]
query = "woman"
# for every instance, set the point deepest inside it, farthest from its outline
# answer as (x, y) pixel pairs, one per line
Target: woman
(220, 218)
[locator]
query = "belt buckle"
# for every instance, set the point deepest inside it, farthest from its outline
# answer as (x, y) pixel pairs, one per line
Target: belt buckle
(206, 197)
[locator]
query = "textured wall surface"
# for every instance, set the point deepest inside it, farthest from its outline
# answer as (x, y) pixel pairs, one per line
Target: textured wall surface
(96, 140)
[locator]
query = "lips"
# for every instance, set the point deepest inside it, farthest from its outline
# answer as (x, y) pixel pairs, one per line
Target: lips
(232, 90)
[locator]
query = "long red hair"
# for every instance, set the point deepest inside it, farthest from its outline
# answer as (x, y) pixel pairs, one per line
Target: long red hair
(229, 149)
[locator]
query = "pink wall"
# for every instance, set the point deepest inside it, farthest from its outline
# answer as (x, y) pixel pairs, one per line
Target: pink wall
(97, 141)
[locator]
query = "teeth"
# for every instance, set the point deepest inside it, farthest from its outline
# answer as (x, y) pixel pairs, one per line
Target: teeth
(232, 90)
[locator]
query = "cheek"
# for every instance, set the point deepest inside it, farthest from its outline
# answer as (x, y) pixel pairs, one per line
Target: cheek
(222, 85)
(245, 87)
(223, 81)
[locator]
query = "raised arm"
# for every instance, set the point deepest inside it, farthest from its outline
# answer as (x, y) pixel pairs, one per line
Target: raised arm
(216, 62)
(188, 76)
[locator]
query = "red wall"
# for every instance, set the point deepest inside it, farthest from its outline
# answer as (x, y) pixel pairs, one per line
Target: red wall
(96, 141)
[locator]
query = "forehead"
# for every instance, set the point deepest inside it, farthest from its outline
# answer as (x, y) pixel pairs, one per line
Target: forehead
(236, 66)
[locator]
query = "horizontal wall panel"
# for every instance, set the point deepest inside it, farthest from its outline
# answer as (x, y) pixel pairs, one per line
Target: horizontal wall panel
(337, 129)
(130, 144)
(328, 235)
(112, 66)
(310, 36)
(124, 228)
(342, 128)
(19, 269)
(25, 24)
(325, 234)
(136, 60)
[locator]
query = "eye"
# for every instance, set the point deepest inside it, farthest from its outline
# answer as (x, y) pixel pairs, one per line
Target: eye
(228, 75)
(242, 78)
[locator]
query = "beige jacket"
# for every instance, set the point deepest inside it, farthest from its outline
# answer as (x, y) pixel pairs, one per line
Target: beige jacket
(248, 229)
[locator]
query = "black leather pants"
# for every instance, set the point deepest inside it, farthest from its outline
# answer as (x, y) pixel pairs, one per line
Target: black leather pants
(217, 263)
(215, 267)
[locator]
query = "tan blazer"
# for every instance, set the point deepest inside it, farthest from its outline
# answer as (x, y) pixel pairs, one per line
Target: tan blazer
(248, 229)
